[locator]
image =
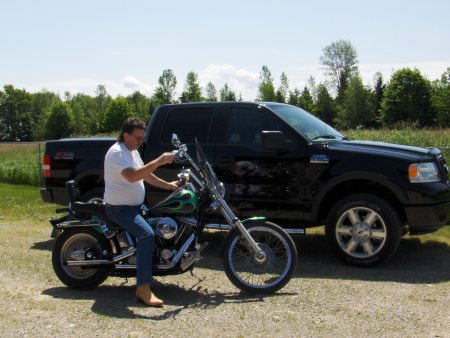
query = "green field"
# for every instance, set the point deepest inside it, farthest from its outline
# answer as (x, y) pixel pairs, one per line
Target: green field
(19, 163)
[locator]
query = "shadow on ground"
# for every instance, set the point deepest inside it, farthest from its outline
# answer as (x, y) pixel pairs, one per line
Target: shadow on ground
(414, 261)
(119, 301)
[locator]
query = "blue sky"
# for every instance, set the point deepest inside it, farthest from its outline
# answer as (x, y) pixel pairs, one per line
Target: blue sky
(125, 45)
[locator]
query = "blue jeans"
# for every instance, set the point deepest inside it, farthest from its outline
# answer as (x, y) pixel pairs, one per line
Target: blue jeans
(129, 218)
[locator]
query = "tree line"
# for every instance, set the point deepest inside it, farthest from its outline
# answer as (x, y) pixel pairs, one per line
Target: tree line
(342, 100)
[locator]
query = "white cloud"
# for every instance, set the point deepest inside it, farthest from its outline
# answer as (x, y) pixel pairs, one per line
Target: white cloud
(127, 86)
(239, 80)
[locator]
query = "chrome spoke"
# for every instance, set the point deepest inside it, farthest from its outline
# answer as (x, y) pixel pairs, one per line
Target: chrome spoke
(344, 230)
(351, 245)
(370, 218)
(368, 248)
(353, 216)
(378, 234)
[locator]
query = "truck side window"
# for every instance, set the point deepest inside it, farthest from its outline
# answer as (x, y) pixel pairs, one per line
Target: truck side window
(246, 124)
(187, 123)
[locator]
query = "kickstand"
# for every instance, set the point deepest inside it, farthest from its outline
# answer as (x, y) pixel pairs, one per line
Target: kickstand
(193, 274)
(126, 282)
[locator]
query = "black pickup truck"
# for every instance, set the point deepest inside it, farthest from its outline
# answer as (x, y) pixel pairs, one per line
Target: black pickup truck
(279, 161)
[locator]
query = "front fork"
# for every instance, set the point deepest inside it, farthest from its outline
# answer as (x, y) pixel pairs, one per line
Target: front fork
(234, 221)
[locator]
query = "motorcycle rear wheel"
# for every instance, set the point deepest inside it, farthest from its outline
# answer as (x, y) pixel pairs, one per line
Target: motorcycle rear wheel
(77, 244)
(254, 275)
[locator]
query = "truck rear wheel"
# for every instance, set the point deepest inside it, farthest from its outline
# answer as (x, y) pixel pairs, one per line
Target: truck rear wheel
(364, 229)
(93, 195)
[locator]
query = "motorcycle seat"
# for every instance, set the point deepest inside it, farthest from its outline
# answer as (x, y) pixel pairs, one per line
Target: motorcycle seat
(96, 209)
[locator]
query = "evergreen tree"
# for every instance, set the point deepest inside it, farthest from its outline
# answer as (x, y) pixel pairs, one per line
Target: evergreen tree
(283, 90)
(226, 94)
(441, 99)
(192, 91)
(266, 89)
(306, 102)
(357, 109)
(378, 93)
(294, 97)
(325, 105)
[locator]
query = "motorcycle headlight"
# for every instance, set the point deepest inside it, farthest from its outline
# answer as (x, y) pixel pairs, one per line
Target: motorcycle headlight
(423, 173)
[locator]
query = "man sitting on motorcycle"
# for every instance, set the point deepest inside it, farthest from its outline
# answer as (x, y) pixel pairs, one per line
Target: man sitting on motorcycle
(125, 174)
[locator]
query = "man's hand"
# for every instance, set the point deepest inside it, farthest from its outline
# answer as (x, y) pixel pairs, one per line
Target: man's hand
(173, 186)
(165, 158)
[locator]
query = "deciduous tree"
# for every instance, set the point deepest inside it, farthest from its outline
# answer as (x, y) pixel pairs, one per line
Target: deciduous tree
(59, 123)
(266, 89)
(340, 60)
(408, 98)
(192, 91)
(165, 91)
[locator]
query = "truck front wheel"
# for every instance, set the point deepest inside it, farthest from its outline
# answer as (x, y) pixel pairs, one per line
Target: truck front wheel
(364, 229)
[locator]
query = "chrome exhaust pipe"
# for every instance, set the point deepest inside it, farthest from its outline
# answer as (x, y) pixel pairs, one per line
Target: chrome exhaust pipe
(96, 262)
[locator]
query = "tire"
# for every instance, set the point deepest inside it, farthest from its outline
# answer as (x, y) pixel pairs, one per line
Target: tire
(244, 270)
(364, 230)
(72, 243)
(92, 195)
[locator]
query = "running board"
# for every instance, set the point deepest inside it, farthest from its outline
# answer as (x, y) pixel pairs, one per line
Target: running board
(227, 227)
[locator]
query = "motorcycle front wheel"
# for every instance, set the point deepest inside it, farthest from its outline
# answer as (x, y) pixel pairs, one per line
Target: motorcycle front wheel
(260, 275)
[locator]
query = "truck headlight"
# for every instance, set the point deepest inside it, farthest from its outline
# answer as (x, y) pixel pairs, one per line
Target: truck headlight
(423, 173)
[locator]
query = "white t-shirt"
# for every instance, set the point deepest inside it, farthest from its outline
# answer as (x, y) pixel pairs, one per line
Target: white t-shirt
(118, 191)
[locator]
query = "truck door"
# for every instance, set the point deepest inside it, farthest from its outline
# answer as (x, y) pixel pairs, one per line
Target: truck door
(259, 181)
(188, 122)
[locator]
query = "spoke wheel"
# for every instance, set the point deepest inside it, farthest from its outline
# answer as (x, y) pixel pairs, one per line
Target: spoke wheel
(267, 273)
(364, 229)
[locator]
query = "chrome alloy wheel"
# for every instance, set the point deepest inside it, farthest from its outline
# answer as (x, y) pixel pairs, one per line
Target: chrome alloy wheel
(361, 232)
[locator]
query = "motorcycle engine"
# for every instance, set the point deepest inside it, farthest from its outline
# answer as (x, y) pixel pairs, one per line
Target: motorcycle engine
(165, 227)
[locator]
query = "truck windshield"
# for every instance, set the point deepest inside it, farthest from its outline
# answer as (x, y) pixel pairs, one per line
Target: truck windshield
(305, 123)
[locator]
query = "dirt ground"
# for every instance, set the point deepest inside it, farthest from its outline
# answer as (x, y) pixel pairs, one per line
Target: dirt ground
(407, 296)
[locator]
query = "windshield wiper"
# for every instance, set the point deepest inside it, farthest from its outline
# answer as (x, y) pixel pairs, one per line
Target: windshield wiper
(327, 137)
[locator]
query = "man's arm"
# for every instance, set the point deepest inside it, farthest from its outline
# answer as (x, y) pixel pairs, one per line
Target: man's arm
(160, 183)
(132, 175)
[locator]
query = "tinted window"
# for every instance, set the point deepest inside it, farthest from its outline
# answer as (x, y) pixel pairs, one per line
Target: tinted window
(187, 123)
(246, 124)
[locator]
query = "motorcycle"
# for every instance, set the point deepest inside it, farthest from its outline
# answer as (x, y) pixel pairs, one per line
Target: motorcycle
(258, 256)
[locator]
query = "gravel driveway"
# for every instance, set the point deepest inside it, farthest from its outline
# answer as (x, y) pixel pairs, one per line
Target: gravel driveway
(407, 296)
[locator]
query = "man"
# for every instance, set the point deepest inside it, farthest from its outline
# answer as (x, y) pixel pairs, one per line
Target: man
(125, 174)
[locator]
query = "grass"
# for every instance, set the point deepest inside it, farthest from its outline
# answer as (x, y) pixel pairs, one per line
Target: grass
(426, 138)
(19, 163)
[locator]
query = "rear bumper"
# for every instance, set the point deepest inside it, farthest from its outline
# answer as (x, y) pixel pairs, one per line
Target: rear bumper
(55, 195)
(427, 218)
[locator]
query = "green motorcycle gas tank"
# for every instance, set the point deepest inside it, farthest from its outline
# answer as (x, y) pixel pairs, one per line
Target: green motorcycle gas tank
(183, 202)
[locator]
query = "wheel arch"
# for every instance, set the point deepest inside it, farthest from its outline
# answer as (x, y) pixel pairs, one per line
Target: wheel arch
(90, 179)
(354, 183)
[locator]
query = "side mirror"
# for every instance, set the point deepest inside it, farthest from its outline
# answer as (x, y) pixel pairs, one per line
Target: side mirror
(175, 140)
(274, 140)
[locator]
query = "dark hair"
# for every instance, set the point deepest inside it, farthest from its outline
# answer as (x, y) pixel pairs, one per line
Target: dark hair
(128, 126)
